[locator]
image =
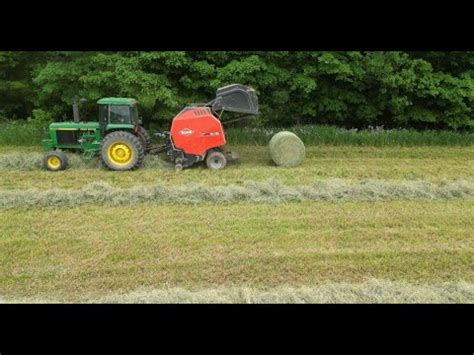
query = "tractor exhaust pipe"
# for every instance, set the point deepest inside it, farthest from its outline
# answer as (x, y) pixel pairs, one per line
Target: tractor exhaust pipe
(75, 112)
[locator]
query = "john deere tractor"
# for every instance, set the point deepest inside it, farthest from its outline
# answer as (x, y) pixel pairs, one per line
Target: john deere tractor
(117, 137)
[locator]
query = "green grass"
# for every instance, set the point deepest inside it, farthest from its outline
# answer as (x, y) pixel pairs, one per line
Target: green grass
(94, 251)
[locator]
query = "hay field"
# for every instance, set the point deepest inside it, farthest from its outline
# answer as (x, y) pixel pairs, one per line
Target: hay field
(351, 224)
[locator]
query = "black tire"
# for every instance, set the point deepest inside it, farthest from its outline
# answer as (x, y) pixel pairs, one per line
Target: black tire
(145, 138)
(216, 160)
(55, 160)
(121, 151)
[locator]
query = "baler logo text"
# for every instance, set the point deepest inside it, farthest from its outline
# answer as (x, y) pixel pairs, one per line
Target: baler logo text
(186, 132)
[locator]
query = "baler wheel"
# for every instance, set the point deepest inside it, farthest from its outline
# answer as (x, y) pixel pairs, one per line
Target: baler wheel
(216, 160)
(55, 160)
(122, 151)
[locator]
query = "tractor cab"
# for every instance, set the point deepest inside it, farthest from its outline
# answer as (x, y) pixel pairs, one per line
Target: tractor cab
(117, 112)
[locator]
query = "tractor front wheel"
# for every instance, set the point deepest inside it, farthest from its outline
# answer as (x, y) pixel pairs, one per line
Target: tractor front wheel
(55, 160)
(121, 151)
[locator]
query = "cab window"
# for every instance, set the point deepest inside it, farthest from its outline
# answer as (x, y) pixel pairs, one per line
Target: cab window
(134, 110)
(120, 114)
(103, 114)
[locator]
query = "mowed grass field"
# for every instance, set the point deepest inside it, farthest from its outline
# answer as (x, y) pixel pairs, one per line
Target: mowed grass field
(435, 164)
(172, 251)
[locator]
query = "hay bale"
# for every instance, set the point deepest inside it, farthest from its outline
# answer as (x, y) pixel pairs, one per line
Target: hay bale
(286, 149)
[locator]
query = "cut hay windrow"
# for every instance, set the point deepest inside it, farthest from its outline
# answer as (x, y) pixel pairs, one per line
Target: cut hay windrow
(286, 149)
(33, 161)
(371, 291)
(20, 161)
(271, 191)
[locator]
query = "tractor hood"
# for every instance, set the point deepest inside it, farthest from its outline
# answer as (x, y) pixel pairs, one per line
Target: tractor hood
(236, 98)
(74, 126)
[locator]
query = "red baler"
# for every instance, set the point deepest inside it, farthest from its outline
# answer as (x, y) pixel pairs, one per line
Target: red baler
(197, 132)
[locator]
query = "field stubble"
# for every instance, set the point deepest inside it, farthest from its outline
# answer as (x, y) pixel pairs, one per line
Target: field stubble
(95, 250)
(235, 250)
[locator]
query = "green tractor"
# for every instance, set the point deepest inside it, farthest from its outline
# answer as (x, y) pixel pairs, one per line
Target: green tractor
(118, 137)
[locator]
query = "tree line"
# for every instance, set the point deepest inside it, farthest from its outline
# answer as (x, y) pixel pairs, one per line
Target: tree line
(423, 90)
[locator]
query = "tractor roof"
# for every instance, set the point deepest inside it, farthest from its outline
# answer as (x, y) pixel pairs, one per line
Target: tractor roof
(117, 101)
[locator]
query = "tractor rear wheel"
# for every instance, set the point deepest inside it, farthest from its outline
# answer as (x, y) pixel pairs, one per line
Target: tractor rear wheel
(55, 160)
(216, 160)
(145, 138)
(121, 151)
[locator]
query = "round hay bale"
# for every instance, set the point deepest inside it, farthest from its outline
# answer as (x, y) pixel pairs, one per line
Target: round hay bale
(286, 149)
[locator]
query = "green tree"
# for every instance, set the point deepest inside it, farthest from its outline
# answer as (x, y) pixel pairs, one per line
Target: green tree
(352, 89)
(16, 87)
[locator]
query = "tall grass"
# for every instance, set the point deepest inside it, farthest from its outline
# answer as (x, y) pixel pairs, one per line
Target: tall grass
(21, 133)
(271, 191)
(330, 135)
